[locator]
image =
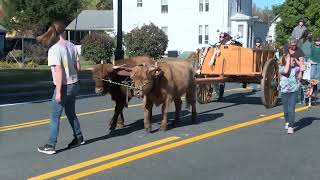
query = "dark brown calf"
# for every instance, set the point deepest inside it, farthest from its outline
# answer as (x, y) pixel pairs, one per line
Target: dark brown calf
(103, 72)
(163, 84)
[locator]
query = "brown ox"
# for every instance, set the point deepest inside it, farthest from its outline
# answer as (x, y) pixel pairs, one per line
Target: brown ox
(103, 72)
(162, 84)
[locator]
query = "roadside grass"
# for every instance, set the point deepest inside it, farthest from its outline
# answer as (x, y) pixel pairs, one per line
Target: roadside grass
(37, 75)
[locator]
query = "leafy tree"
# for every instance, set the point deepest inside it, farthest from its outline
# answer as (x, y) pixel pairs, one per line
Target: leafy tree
(291, 11)
(97, 47)
(147, 40)
(97, 4)
(32, 17)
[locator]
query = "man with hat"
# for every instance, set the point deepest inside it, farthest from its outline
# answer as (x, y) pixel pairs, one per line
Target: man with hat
(299, 30)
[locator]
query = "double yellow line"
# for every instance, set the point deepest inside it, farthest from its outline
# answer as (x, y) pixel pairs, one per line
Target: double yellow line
(46, 121)
(146, 153)
(103, 158)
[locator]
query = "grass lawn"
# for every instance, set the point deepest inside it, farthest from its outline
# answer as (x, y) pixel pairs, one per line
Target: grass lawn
(42, 73)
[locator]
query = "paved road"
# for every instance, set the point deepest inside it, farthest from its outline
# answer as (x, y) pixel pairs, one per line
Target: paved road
(238, 139)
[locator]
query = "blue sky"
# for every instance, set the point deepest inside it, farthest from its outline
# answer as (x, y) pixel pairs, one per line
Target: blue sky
(267, 3)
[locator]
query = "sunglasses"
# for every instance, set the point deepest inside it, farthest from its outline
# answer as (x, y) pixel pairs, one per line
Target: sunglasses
(221, 36)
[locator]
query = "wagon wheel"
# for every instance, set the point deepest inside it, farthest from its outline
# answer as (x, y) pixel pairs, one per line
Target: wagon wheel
(269, 83)
(205, 92)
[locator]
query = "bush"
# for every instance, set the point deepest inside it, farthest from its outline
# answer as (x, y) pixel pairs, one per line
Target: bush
(37, 53)
(14, 56)
(97, 47)
(147, 40)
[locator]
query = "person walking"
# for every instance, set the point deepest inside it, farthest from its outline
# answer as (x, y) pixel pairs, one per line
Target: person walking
(289, 84)
(62, 58)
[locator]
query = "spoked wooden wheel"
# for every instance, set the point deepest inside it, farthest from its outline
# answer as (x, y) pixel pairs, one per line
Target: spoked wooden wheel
(269, 83)
(203, 93)
(207, 92)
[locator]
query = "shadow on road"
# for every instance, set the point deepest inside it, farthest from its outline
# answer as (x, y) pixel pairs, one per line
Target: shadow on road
(185, 120)
(304, 122)
(245, 98)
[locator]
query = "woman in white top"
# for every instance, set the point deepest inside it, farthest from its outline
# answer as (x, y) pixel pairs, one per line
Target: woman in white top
(64, 62)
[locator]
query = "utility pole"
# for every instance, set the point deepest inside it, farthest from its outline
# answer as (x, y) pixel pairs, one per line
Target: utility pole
(119, 53)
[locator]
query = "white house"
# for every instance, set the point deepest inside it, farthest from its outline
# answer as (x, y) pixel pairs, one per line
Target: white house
(272, 29)
(190, 24)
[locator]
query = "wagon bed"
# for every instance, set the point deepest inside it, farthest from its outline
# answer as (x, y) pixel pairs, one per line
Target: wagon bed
(237, 64)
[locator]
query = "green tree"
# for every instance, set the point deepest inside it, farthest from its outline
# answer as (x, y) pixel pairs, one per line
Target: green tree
(97, 4)
(97, 47)
(291, 11)
(147, 40)
(32, 17)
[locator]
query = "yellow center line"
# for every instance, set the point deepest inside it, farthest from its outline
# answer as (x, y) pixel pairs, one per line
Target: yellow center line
(172, 146)
(46, 121)
(103, 158)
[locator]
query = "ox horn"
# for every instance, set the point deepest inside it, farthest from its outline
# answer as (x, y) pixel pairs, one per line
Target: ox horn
(90, 69)
(117, 67)
(154, 68)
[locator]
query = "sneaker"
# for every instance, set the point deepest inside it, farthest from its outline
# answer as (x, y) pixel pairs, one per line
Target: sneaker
(47, 149)
(290, 130)
(76, 142)
(286, 126)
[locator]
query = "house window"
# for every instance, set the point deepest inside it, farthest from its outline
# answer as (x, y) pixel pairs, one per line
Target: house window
(200, 34)
(164, 6)
(240, 30)
(165, 29)
(200, 5)
(207, 5)
(239, 6)
(206, 34)
(139, 3)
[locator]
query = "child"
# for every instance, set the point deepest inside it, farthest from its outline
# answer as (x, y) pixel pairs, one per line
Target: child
(289, 84)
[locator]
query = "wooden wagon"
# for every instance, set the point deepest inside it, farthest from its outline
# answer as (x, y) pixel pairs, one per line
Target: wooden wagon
(230, 63)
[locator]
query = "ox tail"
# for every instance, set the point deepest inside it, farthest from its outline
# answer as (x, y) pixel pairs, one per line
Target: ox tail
(191, 91)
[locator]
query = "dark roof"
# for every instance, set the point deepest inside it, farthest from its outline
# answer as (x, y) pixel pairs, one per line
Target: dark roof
(92, 20)
(2, 29)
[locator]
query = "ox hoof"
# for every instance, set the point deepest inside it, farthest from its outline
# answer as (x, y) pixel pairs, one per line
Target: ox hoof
(119, 126)
(112, 127)
(163, 129)
(148, 130)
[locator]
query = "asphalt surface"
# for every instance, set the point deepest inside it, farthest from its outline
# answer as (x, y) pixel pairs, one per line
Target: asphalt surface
(212, 149)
